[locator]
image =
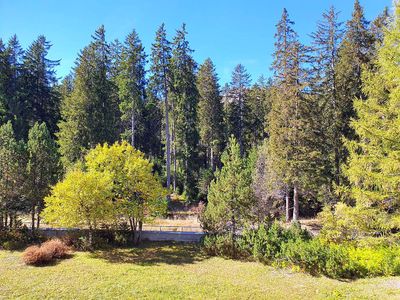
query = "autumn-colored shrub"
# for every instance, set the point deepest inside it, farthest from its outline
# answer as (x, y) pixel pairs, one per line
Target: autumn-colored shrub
(39, 255)
(56, 247)
(35, 255)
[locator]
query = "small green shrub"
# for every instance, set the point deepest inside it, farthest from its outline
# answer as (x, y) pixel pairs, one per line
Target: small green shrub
(294, 247)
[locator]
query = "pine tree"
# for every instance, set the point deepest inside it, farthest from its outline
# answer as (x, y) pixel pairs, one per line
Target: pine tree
(185, 99)
(290, 128)
(211, 127)
(230, 198)
(90, 113)
(160, 81)
(42, 168)
(236, 105)
(131, 81)
(38, 78)
(373, 168)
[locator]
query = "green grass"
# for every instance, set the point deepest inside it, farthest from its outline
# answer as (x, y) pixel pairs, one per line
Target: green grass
(161, 271)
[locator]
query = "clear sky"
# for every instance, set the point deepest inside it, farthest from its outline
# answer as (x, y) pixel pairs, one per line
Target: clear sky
(227, 31)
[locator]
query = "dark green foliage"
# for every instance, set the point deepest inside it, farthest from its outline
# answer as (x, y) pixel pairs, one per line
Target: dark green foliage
(211, 126)
(236, 106)
(90, 113)
(159, 85)
(39, 99)
(294, 247)
(185, 98)
(131, 84)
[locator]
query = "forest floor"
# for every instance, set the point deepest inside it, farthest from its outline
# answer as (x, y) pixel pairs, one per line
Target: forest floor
(173, 271)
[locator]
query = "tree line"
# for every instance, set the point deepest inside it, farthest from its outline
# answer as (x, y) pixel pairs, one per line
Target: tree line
(293, 129)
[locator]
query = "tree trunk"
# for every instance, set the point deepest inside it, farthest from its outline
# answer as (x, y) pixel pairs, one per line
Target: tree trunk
(233, 236)
(38, 220)
(168, 143)
(1, 220)
(33, 218)
(287, 206)
(139, 233)
(133, 128)
(212, 159)
(295, 204)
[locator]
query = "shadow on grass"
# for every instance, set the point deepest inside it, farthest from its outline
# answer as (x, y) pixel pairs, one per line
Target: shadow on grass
(153, 253)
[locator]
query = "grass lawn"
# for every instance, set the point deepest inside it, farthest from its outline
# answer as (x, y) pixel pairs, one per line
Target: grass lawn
(162, 271)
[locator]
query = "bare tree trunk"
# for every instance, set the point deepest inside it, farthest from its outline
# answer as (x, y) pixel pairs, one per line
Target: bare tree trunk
(287, 206)
(133, 128)
(1, 220)
(168, 143)
(212, 159)
(295, 204)
(33, 218)
(38, 220)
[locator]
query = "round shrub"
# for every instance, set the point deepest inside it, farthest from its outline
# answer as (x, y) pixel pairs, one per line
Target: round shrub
(35, 255)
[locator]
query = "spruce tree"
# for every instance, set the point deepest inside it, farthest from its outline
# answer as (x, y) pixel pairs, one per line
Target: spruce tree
(185, 99)
(160, 81)
(355, 53)
(90, 114)
(236, 105)
(291, 148)
(131, 81)
(325, 45)
(38, 78)
(211, 127)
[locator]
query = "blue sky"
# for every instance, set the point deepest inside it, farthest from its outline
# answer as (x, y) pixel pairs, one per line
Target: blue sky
(227, 31)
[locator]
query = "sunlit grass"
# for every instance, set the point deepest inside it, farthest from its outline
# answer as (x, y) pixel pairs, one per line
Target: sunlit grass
(160, 271)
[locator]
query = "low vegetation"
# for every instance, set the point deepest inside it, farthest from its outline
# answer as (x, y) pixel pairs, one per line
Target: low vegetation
(45, 253)
(176, 271)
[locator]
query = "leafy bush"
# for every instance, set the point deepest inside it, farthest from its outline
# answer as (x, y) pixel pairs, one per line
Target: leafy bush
(17, 239)
(35, 255)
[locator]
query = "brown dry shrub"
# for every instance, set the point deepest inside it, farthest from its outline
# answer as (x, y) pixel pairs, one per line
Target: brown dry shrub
(56, 247)
(35, 255)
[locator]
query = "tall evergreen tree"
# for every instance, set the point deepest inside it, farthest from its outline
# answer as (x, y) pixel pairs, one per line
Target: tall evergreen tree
(42, 168)
(10, 83)
(355, 53)
(326, 41)
(236, 105)
(211, 127)
(160, 82)
(90, 113)
(186, 99)
(290, 127)
(131, 83)
(38, 78)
